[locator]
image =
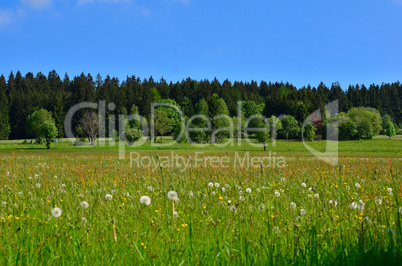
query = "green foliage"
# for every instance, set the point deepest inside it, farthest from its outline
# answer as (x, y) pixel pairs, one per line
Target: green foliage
(290, 127)
(309, 132)
(163, 124)
(41, 125)
(49, 132)
(368, 121)
(250, 108)
(390, 129)
(5, 128)
(133, 134)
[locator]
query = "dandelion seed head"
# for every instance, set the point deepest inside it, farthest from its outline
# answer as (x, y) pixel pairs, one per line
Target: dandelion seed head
(108, 197)
(84, 204)
(145, 200)
(303, 212)
(56, 212)
(248, 190)
(172, 195)
(293, 205)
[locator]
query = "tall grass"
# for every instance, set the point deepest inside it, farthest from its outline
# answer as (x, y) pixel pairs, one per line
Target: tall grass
(212, 227)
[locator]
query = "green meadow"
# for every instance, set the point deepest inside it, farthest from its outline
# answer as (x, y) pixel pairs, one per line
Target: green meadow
(81, 205)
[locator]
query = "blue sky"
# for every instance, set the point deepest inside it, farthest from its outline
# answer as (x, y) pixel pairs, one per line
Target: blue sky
(299, 41)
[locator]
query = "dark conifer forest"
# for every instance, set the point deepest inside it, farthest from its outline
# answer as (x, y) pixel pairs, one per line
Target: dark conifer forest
(21, 95)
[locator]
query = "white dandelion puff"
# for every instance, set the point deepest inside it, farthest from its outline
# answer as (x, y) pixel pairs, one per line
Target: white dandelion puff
(316, 196)
(38, 185)
(176, 200)
(241, 198)
(310, 189)
(223, 190)
(303, 212)
(176, 214)
(333, 203)
(232, 208)
(84, 204)
(357, 185)
(108, 197)
(145, 200)
(353, 205)
(56, 212)
(293, 205)
(190, 194)
(389, 190)
(303, 184)
(378, 201)
(210, 184)
(277, 194)
(150, 188)
(172, 195)
(213, 193)
(248, 190)
(261, 207)
(216, 184)
(360, 206)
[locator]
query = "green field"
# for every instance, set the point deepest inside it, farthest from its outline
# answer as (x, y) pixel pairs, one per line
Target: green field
(345, 214)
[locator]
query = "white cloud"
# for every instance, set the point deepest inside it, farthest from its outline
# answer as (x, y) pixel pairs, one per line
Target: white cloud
(5, 17)
(37, 3)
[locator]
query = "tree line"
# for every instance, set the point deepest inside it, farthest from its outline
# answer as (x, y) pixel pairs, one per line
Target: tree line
(22, 95)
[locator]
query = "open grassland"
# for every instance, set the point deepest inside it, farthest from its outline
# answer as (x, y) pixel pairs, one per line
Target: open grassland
(307, 212)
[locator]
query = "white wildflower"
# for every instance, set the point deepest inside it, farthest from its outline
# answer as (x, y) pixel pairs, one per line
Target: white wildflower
(303, 184)
(84, 204)
(303, 212)
(216, 184)
(316, 196)
(108, 197)
(145, 200)
(172, 195)
(210, 184)
(56, 212)
(293, 205)
(248, 190)
(277, 194)
(353, 205)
